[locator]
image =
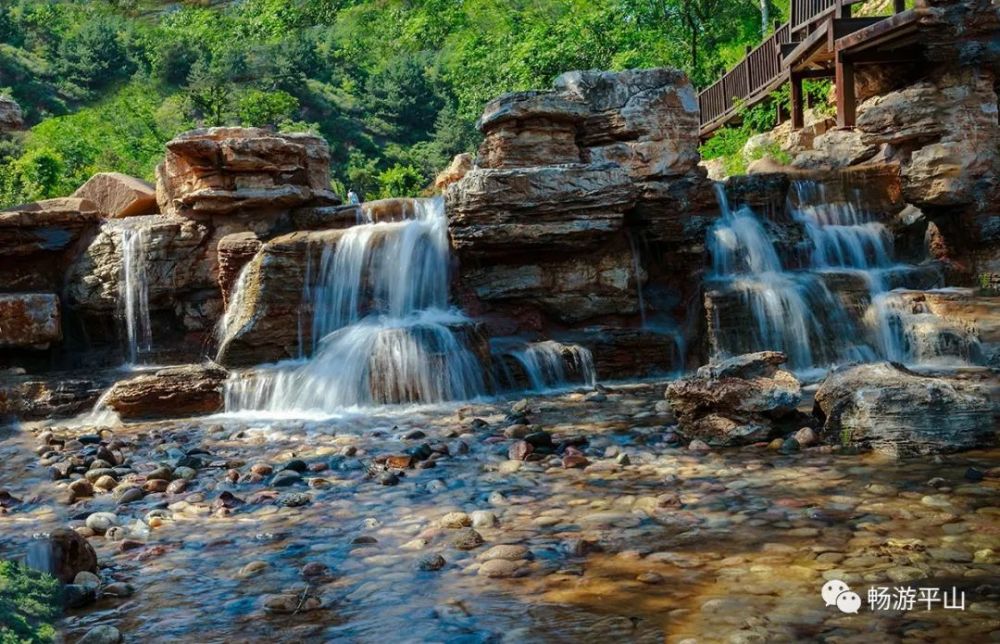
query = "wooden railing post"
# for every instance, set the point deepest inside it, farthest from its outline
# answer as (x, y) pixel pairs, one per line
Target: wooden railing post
(798, 113)
(899, 6)
(846, 102)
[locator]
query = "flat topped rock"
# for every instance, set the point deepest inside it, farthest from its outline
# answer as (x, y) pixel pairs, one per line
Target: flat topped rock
(170, 392)
(119, 195)
(900, 413)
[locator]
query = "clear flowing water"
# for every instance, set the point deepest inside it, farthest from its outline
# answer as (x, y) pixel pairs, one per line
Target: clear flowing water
(133, 293)
(381, 330)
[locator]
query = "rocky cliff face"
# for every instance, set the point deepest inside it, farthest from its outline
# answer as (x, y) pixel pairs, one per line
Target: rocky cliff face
(570, 185)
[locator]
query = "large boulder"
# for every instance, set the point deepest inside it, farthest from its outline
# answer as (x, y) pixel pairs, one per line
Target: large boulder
(526, 129)
(188, 390)
(901, 413)
(244, 171)
(36, 240)
(63, 554)
(552, 208)
(10, 115)
(735, 401)
(119, 195)
(29, 320)
(267, 319)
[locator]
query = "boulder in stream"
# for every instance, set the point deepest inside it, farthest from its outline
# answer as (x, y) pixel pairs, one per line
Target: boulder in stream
(901, 413)
(63, 554)
(735, 401)
(187, 390)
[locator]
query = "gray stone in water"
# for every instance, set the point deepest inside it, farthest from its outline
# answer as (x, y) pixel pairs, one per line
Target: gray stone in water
(284, 478)
(431, 563)
(899, 412)
(101, 635)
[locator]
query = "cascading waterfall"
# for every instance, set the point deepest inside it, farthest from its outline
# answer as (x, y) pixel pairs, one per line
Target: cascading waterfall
(549, 364)
(796, 312)
(381, 331)
(792, 312)
(133, 293)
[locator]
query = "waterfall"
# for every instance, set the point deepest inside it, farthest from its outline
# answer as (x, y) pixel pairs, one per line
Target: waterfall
(795, 310)
(381, 329)
(133, 293)
(636, 269)
(791, 312)
(546, 365)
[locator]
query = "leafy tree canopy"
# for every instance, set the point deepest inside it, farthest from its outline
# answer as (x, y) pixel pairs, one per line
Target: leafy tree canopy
(394, 86)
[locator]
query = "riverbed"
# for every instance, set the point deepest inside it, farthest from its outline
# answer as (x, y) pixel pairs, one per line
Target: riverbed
(626, 534)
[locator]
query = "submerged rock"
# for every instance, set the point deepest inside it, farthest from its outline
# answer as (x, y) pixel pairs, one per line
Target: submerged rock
(901, 413)
(172, 392)
(734, 402)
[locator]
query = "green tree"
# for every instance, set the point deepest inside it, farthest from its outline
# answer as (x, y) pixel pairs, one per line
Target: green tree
(400, 181)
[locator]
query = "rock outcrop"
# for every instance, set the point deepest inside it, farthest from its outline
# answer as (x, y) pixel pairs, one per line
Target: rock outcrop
(29, 320)
(188, 390)
(119, 195)
(243, 171)
(34, 397)
(567, 185)
(11, 118)
(901, 413)
(736, 401)
(37, 239)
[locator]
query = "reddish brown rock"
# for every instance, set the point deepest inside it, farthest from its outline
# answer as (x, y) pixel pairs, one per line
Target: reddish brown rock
(119, 195)
(457, 169)
(243, 170)
(188, 390)
(235, 250)
(64, 554)
(29, 320)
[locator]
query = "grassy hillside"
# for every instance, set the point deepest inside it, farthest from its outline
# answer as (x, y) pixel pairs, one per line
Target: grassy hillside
(394, 86)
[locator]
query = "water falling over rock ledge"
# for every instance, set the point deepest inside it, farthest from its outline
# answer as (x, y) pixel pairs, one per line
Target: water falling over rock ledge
(586, 392)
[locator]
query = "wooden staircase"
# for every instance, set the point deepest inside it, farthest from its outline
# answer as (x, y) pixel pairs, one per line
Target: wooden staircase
(821, 40)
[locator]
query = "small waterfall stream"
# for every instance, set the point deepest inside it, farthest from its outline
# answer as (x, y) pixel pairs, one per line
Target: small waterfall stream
(133, 293)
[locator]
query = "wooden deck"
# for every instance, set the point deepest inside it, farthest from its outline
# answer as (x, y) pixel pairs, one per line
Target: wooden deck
(821, 40)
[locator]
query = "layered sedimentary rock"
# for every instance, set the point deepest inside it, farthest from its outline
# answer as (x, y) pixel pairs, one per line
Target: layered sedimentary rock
(243, 170)
(268, 319)
(554, 209)
(37, 239)
(29, 320)
(735, 401)
(580, 197)
(902, 413)
(119, 195)
(33, 397)
(187, 390)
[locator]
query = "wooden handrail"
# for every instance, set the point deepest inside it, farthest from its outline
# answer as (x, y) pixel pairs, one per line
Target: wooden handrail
(762, 66)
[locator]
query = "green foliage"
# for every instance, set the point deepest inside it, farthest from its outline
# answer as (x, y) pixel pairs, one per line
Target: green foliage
(28, 605)
(399, 181)
(395, 87)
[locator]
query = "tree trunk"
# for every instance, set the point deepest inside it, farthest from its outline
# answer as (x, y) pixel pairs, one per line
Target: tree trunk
(765, 18)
